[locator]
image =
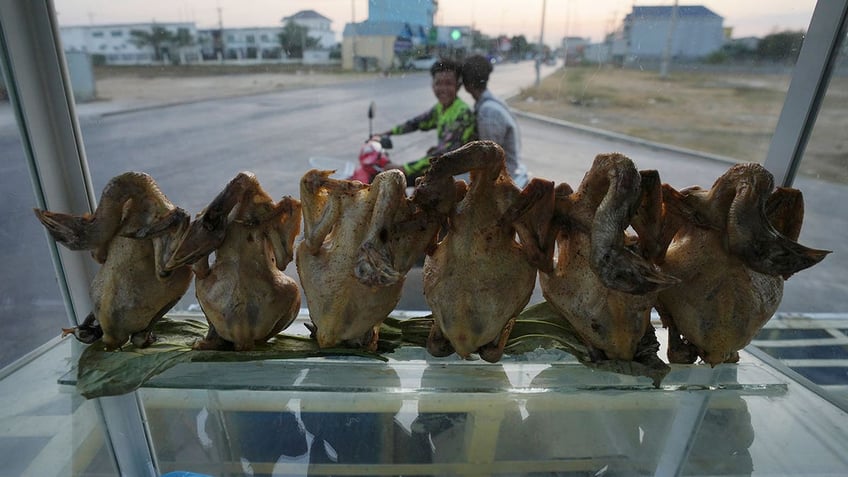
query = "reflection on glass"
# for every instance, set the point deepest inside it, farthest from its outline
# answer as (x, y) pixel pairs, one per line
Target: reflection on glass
(487, 419)
(31, 307)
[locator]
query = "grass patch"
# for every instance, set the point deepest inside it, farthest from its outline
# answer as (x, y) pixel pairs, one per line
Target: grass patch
(729, 115)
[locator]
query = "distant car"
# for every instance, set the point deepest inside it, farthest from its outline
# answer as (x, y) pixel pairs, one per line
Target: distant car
(423, 62)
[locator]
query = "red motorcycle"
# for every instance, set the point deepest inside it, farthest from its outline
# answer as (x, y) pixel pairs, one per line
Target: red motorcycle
(373, 157)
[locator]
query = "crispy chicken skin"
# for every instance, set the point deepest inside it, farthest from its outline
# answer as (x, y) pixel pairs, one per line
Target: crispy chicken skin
(479, 277)
(244, 293)
(732, 246)
(131, 234)
(359, 243)
(604, 281)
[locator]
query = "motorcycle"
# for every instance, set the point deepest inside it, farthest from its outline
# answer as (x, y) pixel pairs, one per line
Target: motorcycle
(373, 157)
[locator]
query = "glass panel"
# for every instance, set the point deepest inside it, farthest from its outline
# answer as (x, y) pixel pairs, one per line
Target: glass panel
(824, 178)
(194, 112)
(822, 290)
(420, 416)
(181, 115)
(46, 430)
(31, 307)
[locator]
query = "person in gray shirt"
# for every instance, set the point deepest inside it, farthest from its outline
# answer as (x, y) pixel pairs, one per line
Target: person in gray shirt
(495, 122)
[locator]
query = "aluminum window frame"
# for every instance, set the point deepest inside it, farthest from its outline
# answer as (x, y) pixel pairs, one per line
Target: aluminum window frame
(810, 79)
(40, 91)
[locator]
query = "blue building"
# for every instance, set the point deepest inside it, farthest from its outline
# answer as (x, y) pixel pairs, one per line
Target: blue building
(393, 28)
(698, 31)
(413, 12)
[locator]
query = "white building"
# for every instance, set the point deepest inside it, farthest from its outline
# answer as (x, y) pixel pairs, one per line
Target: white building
(698, 31)
(317, 25)
(241, 43)
(113, 44)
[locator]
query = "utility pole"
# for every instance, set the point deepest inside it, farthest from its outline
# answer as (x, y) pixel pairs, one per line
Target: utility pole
(666, 58)
(541, 46)
(353, 35)
(219, 48)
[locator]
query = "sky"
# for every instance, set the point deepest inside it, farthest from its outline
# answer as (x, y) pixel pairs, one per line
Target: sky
(582, 18)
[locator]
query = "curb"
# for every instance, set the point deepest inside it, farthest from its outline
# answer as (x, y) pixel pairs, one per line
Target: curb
(624, 137)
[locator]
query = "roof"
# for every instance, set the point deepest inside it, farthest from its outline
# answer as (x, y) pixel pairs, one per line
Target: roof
(306, 15)
(683, 11)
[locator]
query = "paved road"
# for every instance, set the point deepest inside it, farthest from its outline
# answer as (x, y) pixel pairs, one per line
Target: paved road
(193, 150)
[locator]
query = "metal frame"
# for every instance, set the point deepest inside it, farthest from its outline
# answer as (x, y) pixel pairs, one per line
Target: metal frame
(40, 91)
(806, 91)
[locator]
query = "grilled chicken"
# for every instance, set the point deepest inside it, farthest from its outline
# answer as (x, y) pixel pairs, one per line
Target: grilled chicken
(732, 246)
(244, 293)
(480, 277)
(604, 281)
(359, 243)
(132, 233)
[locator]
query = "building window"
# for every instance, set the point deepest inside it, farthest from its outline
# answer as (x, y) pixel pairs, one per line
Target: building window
(117, 33)
(97, 34)
(250, 39)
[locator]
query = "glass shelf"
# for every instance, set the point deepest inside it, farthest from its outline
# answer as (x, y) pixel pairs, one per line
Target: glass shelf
(418, 415)
(538, 412)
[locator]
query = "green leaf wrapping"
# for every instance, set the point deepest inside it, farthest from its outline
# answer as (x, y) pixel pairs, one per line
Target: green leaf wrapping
(109, 373)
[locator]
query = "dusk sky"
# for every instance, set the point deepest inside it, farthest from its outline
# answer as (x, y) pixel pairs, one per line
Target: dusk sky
(583, 18)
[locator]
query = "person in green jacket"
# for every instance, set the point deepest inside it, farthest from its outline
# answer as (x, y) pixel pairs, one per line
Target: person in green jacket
(451, 117)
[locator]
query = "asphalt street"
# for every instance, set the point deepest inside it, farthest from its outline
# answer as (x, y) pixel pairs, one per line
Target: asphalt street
(194, 149)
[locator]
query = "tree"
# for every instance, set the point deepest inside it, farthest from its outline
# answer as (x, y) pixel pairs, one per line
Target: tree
(294, 39)
(520, 47)
(158, 38)
(782, 46)
(479, 41)
(181, 40)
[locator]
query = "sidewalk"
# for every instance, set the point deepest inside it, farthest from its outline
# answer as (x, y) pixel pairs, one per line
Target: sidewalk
(125, 94)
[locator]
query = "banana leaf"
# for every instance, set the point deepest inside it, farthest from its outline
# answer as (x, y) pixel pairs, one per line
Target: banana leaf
(109, 373)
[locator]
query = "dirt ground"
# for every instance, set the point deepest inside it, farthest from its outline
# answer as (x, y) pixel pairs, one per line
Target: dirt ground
(142, 84)
(728, 115)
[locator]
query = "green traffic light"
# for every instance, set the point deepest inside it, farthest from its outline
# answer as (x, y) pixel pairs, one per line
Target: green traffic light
(456, 35)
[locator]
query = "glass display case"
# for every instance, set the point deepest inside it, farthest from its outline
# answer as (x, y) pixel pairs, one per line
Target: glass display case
(781, 410)
(416, 415)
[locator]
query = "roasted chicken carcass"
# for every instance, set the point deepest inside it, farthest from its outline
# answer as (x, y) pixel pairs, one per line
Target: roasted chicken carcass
(132, 233)
(732, 247)
(244, 293)
(604, 281)
(359, 243)
(480, 277)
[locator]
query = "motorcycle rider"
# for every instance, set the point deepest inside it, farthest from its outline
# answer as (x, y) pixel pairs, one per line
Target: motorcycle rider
(494, 119)
(451, 117)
